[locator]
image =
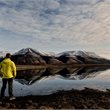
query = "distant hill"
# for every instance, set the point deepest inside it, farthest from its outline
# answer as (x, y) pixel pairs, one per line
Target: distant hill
(82, 57)
(29, 56)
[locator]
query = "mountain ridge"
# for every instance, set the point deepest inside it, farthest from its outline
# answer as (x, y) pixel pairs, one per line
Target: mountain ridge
(29, 56)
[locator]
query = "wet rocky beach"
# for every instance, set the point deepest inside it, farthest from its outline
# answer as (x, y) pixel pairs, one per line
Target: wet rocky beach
(72, 99)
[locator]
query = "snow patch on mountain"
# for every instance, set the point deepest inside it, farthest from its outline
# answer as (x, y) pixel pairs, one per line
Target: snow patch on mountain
(49, 53)
(29, 51)
(23, 51)
(78, 53)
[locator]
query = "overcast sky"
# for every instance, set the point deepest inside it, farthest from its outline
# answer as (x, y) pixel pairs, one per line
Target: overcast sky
(55, 25)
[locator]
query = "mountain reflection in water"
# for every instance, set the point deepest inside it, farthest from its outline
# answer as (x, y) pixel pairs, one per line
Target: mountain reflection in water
(47, 81)
(29, 77)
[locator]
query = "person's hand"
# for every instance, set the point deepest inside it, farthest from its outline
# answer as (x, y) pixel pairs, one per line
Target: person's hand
(14, 75)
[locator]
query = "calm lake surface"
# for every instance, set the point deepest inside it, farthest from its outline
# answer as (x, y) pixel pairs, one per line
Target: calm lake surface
(48, 81)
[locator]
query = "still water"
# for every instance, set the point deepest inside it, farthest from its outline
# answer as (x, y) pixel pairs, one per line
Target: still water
(48, 81)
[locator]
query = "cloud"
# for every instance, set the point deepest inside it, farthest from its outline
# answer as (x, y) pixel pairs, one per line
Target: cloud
(70, 23)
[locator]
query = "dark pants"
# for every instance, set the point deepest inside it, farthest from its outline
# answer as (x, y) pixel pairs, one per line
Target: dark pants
(10, 87)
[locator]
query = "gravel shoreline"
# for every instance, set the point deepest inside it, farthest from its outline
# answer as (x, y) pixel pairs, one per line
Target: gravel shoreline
(72, 99)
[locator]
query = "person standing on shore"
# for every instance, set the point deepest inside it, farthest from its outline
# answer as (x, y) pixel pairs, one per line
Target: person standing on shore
(8, 72)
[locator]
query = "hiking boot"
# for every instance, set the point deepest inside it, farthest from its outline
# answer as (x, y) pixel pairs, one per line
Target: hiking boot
(12, 98)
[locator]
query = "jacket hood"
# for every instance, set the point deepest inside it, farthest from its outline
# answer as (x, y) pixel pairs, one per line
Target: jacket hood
(6, 60)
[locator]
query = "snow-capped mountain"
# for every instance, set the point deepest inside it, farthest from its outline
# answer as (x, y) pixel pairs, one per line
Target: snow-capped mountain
(82, 57)
(27, 51)
(30, 56)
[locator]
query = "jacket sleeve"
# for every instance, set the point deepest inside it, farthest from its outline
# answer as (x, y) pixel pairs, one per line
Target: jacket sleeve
(14, 69)
(0, 69)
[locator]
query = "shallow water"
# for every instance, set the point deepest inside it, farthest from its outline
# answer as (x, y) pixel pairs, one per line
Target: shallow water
(48, 81)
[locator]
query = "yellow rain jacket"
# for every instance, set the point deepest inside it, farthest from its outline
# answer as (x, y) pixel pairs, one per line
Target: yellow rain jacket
(7, 68)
